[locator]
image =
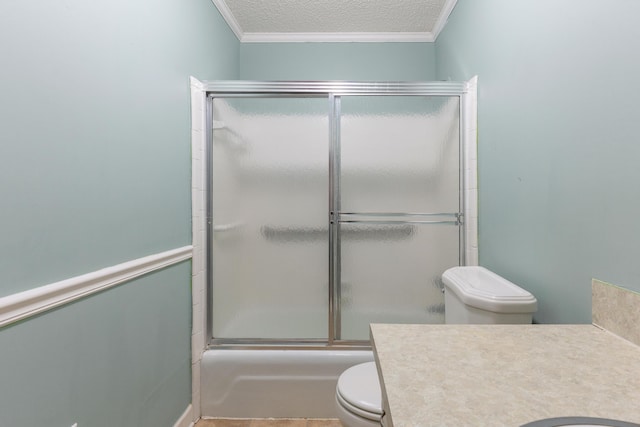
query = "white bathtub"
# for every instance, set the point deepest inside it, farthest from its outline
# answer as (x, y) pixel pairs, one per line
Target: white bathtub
(273, 383)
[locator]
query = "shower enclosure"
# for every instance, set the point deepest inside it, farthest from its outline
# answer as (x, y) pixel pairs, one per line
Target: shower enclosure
(332, 205)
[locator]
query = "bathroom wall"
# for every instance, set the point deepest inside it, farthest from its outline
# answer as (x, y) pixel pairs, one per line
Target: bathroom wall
(337, 61)
(95, 170)
(120, 358)
(558, 150)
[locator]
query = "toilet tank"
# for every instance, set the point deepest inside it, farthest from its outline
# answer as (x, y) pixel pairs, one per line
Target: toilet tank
(473, 294)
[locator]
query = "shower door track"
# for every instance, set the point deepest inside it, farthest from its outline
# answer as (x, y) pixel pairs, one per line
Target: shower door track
(333, 91)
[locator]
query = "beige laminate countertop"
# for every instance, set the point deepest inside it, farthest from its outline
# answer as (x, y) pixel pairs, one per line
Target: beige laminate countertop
(504, 375)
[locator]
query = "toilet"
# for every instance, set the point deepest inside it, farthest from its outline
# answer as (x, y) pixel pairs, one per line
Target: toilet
(472, 295)
(358, 396)
(476, 295)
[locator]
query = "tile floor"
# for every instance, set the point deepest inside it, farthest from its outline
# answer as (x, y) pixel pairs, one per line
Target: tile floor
(297, 422)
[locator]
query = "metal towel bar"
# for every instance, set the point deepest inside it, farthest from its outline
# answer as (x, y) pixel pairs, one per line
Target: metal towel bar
(362, 217)
(367, 221)
(400, 214)
(393, 231)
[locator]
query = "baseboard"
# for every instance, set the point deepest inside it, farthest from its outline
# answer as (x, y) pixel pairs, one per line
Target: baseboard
(186, 419)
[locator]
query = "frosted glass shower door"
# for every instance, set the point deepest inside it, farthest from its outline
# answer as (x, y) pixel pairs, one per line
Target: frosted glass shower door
(398, 223)
(269, 214)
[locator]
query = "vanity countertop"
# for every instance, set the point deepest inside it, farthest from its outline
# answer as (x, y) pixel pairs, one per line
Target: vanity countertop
(504, 375)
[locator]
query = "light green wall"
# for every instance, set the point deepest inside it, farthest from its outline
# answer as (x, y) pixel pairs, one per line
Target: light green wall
(558, 142)
(95, 154)
(337, 61)
(120, 358)
(95, 170)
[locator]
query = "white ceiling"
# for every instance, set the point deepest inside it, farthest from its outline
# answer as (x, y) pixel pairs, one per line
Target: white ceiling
(336, 20)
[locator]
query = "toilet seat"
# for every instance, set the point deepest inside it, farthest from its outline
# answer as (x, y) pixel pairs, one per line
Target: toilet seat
(358, 391)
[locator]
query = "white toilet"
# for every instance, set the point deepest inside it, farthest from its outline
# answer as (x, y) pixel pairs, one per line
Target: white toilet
(472, 295)
(358, 397)
(476, 295)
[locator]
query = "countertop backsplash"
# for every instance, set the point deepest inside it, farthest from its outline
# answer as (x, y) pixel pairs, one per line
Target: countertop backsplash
(616, 309)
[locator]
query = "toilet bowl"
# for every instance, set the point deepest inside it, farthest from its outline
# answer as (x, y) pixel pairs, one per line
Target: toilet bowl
(473, 295)
(358, 396)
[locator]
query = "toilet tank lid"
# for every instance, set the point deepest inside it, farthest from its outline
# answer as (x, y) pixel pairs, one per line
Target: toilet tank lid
(478, 287)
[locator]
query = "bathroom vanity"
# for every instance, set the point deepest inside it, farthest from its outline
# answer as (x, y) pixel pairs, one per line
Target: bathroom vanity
(504, 375)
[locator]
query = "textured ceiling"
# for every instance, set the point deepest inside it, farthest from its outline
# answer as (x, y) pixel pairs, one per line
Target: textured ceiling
(335, 20)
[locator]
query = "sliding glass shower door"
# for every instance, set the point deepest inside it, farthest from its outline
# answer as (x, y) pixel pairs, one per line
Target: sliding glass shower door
(269, 231)
(330, 211)
(398, 204)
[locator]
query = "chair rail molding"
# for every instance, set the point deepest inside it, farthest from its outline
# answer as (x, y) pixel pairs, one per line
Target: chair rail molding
(22, 305)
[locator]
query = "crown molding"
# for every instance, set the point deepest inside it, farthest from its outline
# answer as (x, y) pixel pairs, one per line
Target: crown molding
(337, 37)
(442, 19)
(344, 37)
(226, 13)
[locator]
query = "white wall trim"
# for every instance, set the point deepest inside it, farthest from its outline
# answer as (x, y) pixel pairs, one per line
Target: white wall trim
(199, 226)
(195, 83)
(442, 19)
(185, 419)
(224, 10)
(470, 162)
(421, 37)
(25, 304)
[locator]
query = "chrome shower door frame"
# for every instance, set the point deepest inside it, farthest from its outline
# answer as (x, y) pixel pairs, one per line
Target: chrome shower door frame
(333, 91)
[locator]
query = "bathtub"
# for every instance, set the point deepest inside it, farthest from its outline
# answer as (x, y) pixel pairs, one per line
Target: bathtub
(273, 383)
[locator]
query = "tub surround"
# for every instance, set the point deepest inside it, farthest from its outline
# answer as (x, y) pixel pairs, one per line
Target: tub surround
(504, 375)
